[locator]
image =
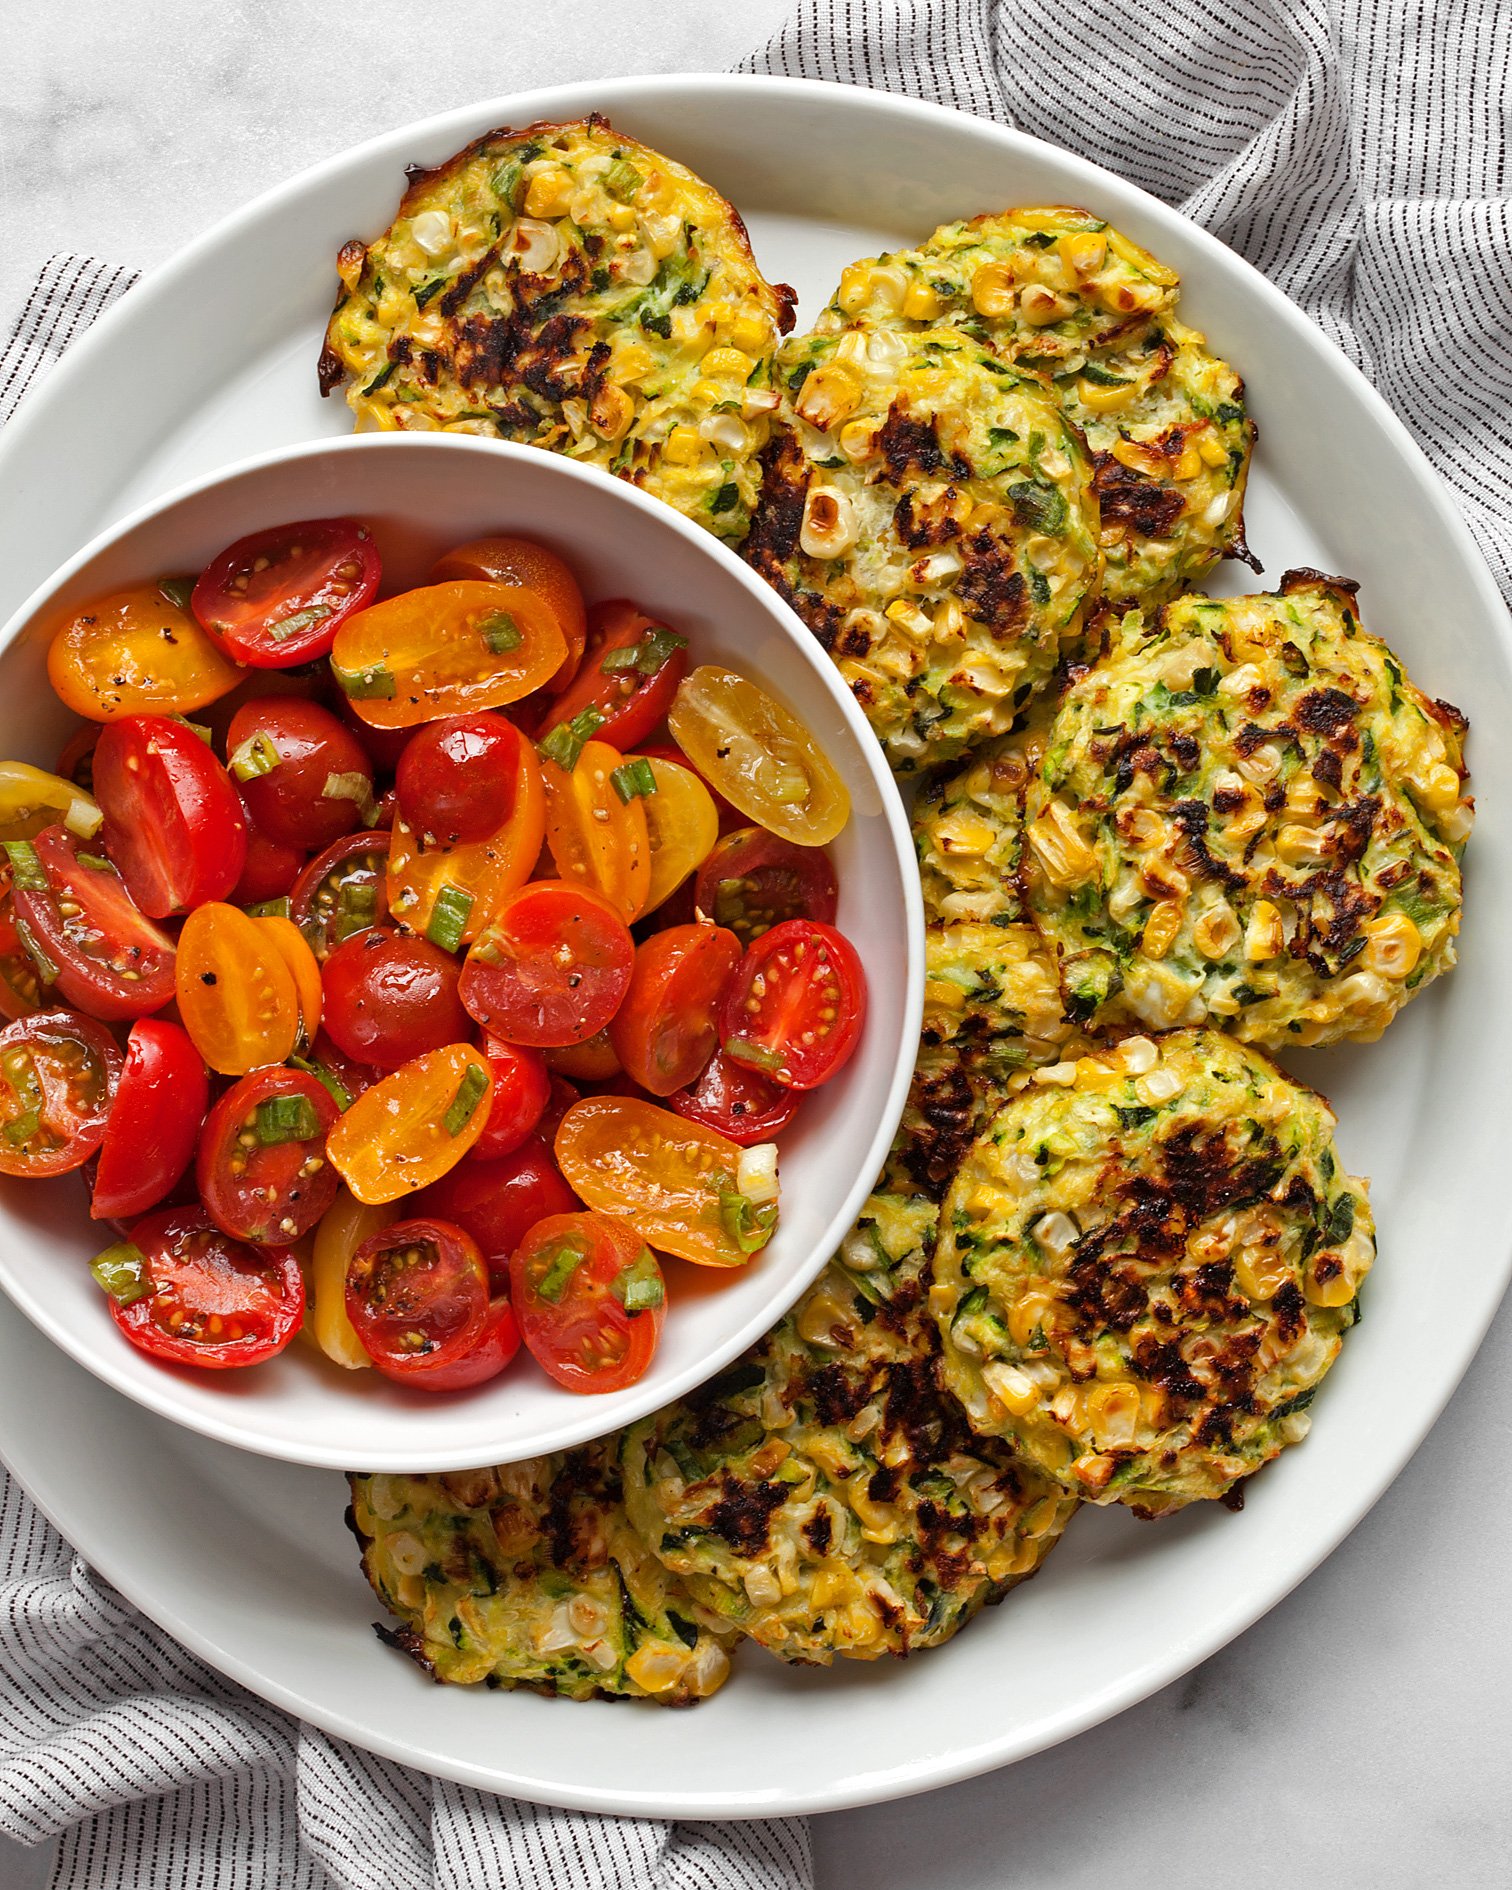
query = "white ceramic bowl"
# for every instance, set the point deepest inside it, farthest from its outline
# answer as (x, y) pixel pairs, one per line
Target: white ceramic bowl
(420, 494)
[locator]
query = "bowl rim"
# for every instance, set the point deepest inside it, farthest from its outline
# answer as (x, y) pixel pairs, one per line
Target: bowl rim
(234, 1429)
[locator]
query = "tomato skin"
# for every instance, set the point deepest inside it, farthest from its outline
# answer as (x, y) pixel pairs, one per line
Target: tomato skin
(174, 825)
(631, 703)
(493, 1349)
(395, 1139)
(289, 802)
(498, 1202)
(247, 1303)
(354, 1077)
(417, 1297)
(390, 997)
(563, 1095)
(94, 949)
(76, 757)
(752, 749)
(269, 871)
(63, 1071)
(522, 561)
(782, 1032)
(595, 1060)
(551, 968)
(342, 891)
(456, 777)
(154, 1124)
(578, 1327)
(737, 1101)
(236, 993)
(753, 880)
(597, 839)
(263, 1194)
(136, 653)
(682, 826)
(320, 569)
(522, 1089)
(668, 1026)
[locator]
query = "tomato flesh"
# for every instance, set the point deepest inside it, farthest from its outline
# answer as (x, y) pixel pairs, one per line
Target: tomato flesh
(174, 824)
(668, 1026)
(209, 1300)
(136, 653)
(522, 561)
(390, 997)
(413, 1124)
(522, 1088)
(155, 1122)
(100, 951)
(342, 891)
(269, 871)
(278, 597)
(305, 777)
(236, 993)
(58, 1079)
(590, 1300)
(456, 778)
(738, 1101)
(498, 1202)
(417, 1297)
(753, 880)
(551, 969)
(795, 1009)
(261, 1170)
(628, 677)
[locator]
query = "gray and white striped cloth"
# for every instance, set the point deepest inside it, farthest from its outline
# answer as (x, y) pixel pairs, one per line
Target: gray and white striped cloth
(1354, 150)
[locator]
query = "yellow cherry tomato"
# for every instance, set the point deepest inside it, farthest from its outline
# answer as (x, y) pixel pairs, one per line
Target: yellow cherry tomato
(236, 993)
(674, 1180)
(410, 1128)
(759, 756)
(682, 825)
(595, 1060)
(596, 836)
(343, 1228)
(31, 799)
(304, 968)
(446, 649)
(137, 653)
(484, 871)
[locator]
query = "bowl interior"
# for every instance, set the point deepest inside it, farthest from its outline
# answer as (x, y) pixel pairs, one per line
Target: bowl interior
(420, 495)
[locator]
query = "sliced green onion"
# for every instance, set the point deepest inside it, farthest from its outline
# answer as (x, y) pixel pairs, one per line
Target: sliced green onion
(83, 819)
(464, 1105)
(178, 591)
(449, 917)
(354, 786)
(286, 1119)
(381, 378)
(271, 909)
(96, 862)
(565, 742)
(22, 1128)
(195, 728)
(26, 868)
(356, 907)
(756, 1054)
(568, 1257)
(298, 620)
(647, 656)
(749, 1226)
(47, 971)
(500, 632)
(376, 682)
(122, 1271)
(256, 755)
(622, 179)
(632, 778)
(327, 1078)
(639, 1286)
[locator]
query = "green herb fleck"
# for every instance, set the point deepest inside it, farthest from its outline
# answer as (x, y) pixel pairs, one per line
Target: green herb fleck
(464, 1105)
(122, 1271)
(448, 918)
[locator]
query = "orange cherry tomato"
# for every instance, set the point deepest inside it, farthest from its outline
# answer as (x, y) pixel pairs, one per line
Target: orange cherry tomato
(596, 835)
(674, 1180)
(522, 561)
(481, 874)
(754, 751)
(136, 652)
(410, 1128)
(552, 967)
(291, 945)
(592, 1062)
(668, 1026)
(682, 826)
(447, 649)
(236, 993)
(590, 1300)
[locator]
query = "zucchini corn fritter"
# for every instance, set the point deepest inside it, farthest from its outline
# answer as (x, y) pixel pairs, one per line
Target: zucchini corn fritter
(1061, 292)
(1146, 1265)
(530, 1576)
(569, 288)
(928, 512)
(1247, 814)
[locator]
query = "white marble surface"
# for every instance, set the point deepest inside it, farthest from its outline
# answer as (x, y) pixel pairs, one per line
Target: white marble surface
(1362, 1734)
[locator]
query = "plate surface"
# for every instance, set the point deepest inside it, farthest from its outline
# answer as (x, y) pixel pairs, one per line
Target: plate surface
(212, 359)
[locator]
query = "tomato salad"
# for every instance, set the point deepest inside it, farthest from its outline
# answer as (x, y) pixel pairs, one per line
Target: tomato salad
(413, 971)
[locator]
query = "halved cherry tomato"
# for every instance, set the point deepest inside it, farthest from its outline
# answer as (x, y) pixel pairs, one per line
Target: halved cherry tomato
(755, 751)
(596, 829)
(595, 1060)
(20, 986)
(552, 968)
(305, 777)
(236, 994)
(85, 934)
(417, 1297)
(676, 1180)
(58, 1078)
(450, 892)
(456, 778)
(795, 1009)
(278, 597)
(629, 675)
(261, 1170)
(668, 1026)
(563, 1096)
(136, 653)
(496, 1345)
(173, 822)
(269, 871)
(76, 757)
(498, 1202)
(149, 1141)
(737, 1101)
(344, 1076)
(390, 997)
(31, 799)
(413, 1125)
(342, 891)
(182, 1290)
(682, 825)
(448, 649)
(590, 1300)
(292, 946)
(753, 880)
(522, 561)
(522, 1088)
(344, 1226)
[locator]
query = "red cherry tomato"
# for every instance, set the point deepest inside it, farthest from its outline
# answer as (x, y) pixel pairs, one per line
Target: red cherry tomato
(344, 1076)
(342, 891)
(417, 1297)
(278, 597)
(496, 1345)
(269, 871)
(101, 953)
(262, 1169)
(456, 779)
(795, 1009)
(629, 675)
(390, 996)
(753, 880)
(667, 1028)
(590, 1300)
(383, 746)
(20, 984)
(522, 1089)
(202, 1298)
(58, 1078)
(738, 1101)
(174, 824)
(149, 1141)
(306, 779)
(563, 1096)
(551, 968)
(76, 759)
(498, 1202)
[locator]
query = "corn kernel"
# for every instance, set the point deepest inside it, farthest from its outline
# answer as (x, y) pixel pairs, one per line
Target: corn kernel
(1188, 465)
(1063, 854)
(829, 395)
(727, 364)
(1161, 929)
(1028, 1313)
(878, 1524)
(1214, 452)
(1217, 931)
(1439, 788)
(683, 447)
(749, 331)
(832, 1586)
(1113, 1413)
(1085, 250)
(1393, 945)
(1099, 398)
(1013, 1389)
(1040, 306)
(1261, 1271)
(1301, 846)
(1138, 457)
(611, 412)
(921, 303)
(857, 438)
(548, 192)
(993, 289)
(632, 362)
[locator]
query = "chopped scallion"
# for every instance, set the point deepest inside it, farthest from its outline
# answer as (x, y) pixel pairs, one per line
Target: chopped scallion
(96, 862)
(749, 1226)
(500, 632)
(470, 1092)
(448, 918)
(286, 1119)
(122, 1271)
(256, 755)
(632, 778)
(355, 786)
(565, 742)
(568, 1257)
(298, 620)
(329, 1080)
(622, 179)
(178, 591)
(639, 1286)
(47, 971)
(375, 683)
(645, 657)
(26, 869)
(756, 1054)
(271, 909)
